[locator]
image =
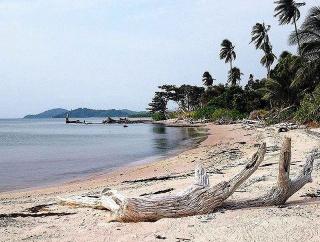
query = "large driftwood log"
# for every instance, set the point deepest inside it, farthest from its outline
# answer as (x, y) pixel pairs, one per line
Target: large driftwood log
(200, 198)
(285, 187)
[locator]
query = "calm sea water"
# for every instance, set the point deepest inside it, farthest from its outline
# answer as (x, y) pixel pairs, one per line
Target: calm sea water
(41, 152)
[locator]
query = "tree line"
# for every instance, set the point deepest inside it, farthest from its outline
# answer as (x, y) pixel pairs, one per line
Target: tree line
(290, 90)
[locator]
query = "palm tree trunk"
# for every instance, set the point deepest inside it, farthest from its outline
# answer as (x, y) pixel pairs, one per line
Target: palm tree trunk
(230, 65)
(268, 71)
(298, 39)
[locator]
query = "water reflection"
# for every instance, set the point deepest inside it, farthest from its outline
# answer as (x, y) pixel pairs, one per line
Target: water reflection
(159, 129)
(166, 138)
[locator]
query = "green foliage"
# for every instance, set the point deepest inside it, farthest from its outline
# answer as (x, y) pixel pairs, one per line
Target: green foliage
(141, 115)
(287, 11)
(227, 114)
(282, 115)
(308, 35)
(260, 35)
(159, 103)
(202, 113)
(234, 76)
(279, 89)
(158, 116)
(227, 52)
(232, 97)
(261, 40)
(214, 114)
(310, 107)
(207, 79)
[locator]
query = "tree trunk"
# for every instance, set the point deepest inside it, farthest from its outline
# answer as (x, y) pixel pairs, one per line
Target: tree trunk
(298, 39)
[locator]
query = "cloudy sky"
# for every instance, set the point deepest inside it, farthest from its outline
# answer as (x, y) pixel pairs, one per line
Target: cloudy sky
(114, 53)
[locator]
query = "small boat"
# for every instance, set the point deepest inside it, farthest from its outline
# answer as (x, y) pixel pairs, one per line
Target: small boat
(125, 126)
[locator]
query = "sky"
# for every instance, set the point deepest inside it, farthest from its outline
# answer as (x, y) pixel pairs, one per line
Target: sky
(106, 54)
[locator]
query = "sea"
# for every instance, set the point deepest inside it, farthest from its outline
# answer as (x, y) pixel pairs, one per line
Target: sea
(40, 152)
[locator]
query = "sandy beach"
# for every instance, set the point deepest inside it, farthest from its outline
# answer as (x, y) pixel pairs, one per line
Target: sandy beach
(36, 215)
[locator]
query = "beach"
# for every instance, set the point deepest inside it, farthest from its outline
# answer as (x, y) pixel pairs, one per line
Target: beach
(37, 215)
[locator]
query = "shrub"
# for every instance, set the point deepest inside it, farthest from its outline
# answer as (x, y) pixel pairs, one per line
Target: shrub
(310, 108)
(227, 114)
(201, 113)
(276, 116)
(158, 116)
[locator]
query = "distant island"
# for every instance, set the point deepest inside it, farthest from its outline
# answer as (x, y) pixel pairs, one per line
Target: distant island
(87, 113)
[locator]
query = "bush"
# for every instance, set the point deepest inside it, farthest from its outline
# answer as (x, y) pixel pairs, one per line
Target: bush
(201, 113)
(279, 116)
(227, 114)
(309, 110)
(158, 116)
(217, 113)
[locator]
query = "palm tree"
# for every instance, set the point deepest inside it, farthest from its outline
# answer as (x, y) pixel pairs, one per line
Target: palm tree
(288, 13)
(261, 40)
(227, 52)
(268, 58)
(207, 79)
(309, 35)
(260, 35)
(234, 76)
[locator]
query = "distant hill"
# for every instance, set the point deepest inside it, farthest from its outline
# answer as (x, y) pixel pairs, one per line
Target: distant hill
(90, 113)
(48, 114)
(85, 113)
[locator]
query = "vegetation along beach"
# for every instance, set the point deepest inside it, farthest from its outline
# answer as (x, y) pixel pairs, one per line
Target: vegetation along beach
(231, 156)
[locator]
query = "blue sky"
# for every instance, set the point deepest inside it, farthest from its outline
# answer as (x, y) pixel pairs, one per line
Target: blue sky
(114, 53)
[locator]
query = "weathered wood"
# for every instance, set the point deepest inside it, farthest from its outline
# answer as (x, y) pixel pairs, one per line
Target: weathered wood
(285, 187)
(199, 198)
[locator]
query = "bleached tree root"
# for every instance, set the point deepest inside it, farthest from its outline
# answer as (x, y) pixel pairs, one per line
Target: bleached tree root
(285, 187)
(199, 198)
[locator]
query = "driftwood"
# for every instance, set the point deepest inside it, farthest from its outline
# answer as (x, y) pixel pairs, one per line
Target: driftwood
(285, 187)
(200, 198)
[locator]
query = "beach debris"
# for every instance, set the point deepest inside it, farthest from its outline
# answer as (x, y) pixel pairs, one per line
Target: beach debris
(252, 124)
(35, 215)
(39, 208)
(285, 127)
(201, 198)
(268, 164)
(158, 178)
(157, 192)
(157, 236)
(312, 195)
(182, 239)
